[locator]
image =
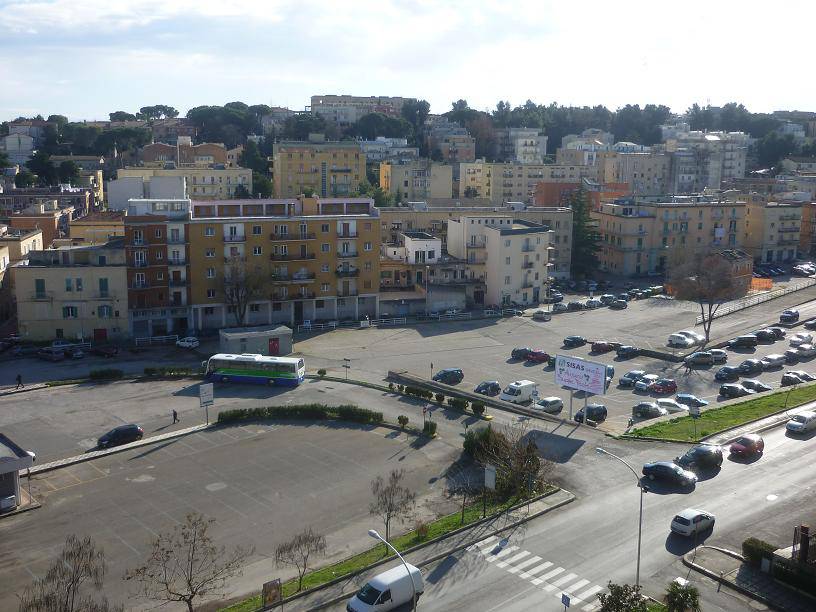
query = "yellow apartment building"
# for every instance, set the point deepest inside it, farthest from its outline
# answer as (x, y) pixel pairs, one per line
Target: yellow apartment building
(316, 259)
(641, 236)
(20, 242)
(98, 227)
(772, 230)
(203, 183)
(326, 169)
(417, 180)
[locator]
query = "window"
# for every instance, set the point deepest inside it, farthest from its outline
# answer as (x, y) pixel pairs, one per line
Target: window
(39, 287)
(507, 280)
(209, 231)
(431, 255)
(159, 255)
(256, 230)
(209, 310)
(506, 243)
(209, 253)
(102, 260)
(104, 312)
(366, 246)
(324, 248)
(103, 287)
(320, 304)
(69, 285)
(254, 308)
(139, 279)
(367, 226)
(324, 268)
(324, 287)
(69, 312)
(210, 272)
(367, 266)
(324, 228)
(210, 293)
(506, 261)
(159, 275)
(256, 250)
(158, 233)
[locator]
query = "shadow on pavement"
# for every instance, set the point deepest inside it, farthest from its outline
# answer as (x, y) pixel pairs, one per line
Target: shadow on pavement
(660, 487)
(680, 545)
(556, 448)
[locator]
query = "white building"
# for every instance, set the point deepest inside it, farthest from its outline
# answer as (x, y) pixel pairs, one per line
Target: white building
(18, 147)
(521, 145)
(388, 149)
(121, 190)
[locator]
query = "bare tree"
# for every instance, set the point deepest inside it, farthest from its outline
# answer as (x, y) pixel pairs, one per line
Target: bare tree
(462, 480)
(706, 279)
(185, 565)
(63, 588)
(391, 499)
(299, 550)
(241, 285)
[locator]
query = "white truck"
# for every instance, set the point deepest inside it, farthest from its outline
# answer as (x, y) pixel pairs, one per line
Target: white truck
(519, 392)
(388, 590)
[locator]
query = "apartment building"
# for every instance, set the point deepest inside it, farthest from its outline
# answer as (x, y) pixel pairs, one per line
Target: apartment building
(643, 235)
(799, 165)
(511, 255)
(415, 180)
(384, 149)
(77, 198)
(76, 293)
(346, 110)
(98, 227)
(646, 173)
(6, 295)
(20, 242)
(91, 177)
(317, 259)
(450, 142)
(324, 168)
(122, 190)
(203, 183)
(772, 230)
(171, 129)
(521, 145)
(807, 237)
(184, 154)
(703, 160)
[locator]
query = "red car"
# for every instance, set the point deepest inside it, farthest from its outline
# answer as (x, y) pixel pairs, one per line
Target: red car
(538, 356)
(749, 444)
(664, 385)
(602, 346)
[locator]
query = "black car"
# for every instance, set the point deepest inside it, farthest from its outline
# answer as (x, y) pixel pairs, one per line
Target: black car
(702, 456)
(733, 390)
(727, 374)
(765, 335)
(594, 412)
(573, 306)
(624, 297)
(521, 353)
(574, 341)
(630, 378)
(618, 305)
(789, 316)
(751, 366)
(553, 298)
(121, 435)
(810, 324)
(668, 470)
(627, 352)
(647, 410)
(779, 332)
(490, 388)
(449, 376)
(746, 341)
(789, 379)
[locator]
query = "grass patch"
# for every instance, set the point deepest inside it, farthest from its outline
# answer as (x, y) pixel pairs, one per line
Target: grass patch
(718, 419)
(435, 529)
(656, 607)
(69, 381)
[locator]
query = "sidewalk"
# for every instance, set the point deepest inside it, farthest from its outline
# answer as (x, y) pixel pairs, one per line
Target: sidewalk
(329, 595)
(13, 390)
(724, 567)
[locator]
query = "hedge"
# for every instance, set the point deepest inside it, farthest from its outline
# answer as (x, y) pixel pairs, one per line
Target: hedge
(314, 412)
(164, 371)
(106, 374)
(429, 428)
(796, 577)
(418, 392)
(754, 549)
(457, 403)
(478, 408)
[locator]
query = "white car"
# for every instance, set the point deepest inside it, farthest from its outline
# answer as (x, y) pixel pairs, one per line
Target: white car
(593, 304)
(190, 342)
(644, 383)
(697, 337)
(553, 404)
(541, 315)
(672, 405)
(806, 350)
(691, 522)
(801, 338)
(802, 422)
(680, 341)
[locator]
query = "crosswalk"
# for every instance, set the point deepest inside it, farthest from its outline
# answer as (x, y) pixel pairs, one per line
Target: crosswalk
(550, 577)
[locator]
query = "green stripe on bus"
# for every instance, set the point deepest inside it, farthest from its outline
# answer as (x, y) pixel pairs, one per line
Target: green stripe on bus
(258, 373)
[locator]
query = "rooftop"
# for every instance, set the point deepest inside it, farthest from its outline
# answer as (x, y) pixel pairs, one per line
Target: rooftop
(419, 235)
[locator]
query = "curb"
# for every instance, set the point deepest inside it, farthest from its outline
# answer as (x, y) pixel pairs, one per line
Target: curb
(715, 576)
(419, 547)
(26, 389)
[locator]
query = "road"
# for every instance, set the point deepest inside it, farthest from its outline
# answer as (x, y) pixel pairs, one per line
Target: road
(578, 548)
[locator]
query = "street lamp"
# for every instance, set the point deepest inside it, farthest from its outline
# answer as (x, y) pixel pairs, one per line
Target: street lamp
(643, 489)
(373, 533)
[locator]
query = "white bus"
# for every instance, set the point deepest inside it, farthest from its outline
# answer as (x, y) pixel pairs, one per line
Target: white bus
(258, 369)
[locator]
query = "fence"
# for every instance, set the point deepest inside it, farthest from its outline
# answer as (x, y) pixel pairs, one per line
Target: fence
(726, 309)
(151, 340)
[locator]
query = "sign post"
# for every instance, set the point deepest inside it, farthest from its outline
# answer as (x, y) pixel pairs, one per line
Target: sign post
(205, 398)
(565, 599)
(694, 412)
(346, 365)
(271, 592)
(578, 374)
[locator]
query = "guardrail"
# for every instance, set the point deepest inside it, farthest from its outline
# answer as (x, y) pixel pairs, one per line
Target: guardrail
(151, 340)
(757, 299)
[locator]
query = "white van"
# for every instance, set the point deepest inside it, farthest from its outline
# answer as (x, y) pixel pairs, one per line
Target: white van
(802, 422)
(519, 392)
(388, 590)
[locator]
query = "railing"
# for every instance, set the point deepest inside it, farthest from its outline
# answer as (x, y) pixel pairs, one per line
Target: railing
(178, 283)
(234, 238)
(42, 296)
(528, 248)
(140, 264)
(726, 309)
(178, 240)
(150, 340)
(347, 273)
(527, 265)
(347, 234)
(277, 297)
(345, 254)
(291, 256)
(477, 245)
(348, 293)
(285, 237)
(235, 258)
(292, 278)
(177, 261)
(140, 285)
(103, 295)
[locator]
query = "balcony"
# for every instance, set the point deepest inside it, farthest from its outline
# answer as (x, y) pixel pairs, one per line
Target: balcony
(139, 285)
(138, 243)
(42, 296)
(291, 256)
(234, 238)
(182, 282)
(291, 237)
(140, 264)
(348, 293)
(787, 241)
(527, 284)
(347, 273)
(176, 240)
(177, 261)
(477, 245)
(347, 234)
(347, 254)
(103, 295)
(527, 265)
(528, 248)
(789, 229)
(234, 259)
(791, 217)
(278, 297)
(293, 278)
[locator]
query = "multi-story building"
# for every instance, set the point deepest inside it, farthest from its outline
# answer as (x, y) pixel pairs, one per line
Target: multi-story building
(77, 293)
(644, 235)
(346, 110)
(77, 198)
(384, 149)
(171, 129)
(450, 142)
(645, 173)
(203, 183)
(98, 227)
(91, 174)
(6, 295)
(799, 165)
(591, 136)
(807, 237)
(704, 160)
(521, 145)
(316, 259)
(274, 121)
(772, 230)
(20, 242)
(184, 154)
(510, 254)
(46, 216)
(35, 128)
(18, 148)
(417, 180)
(122, 190)
(328, 169)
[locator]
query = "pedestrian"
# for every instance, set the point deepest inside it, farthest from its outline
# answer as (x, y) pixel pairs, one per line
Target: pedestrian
(175, 417)
(19, 381)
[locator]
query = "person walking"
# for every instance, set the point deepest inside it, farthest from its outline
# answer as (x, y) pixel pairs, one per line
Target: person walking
(175, 417)
(19, 382)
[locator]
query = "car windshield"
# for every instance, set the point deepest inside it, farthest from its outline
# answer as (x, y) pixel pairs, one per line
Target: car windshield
(743, 441)
(681, 520)
(799, 418)
(368, 594)
(512, 391)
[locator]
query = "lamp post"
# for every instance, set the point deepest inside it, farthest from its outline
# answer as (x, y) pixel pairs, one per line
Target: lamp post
(373, 533)
(643, 489)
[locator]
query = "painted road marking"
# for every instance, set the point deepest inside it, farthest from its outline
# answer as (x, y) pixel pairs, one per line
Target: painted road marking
(547, 576)
(523, 564)
(535, 570)
(507, 562)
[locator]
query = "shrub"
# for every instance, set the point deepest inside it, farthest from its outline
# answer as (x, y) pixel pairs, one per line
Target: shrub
(177, 371)
(106, 374)
(440, 397)
(478, 408)
(429, 428)
(754, 549)
(402, 420)
(457, 403)
(421, 529)
(321, 372)
(790, 574)
(150, 371)
(313, 412)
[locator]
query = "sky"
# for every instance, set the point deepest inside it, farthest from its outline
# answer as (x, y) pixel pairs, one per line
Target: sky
(86, 58)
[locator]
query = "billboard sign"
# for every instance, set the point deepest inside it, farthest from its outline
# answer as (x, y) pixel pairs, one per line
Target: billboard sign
(580, 374)
(205, 394)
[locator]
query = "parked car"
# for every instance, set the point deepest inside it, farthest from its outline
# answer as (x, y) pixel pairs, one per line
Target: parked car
(806, 350)
(745, 341)
(765, 335)
(648, 410)
(627, 352)
(733, 390)
(618, 305)
(789, 316)
(696, 337)
(701, 457)
(802, 422)
(667, 470)
(520, 353)
(559, 308)
(51, 353)
(679, 341)
(74, 353)
(689, 399)
(190, 342)
(803, 375)
(719, 355)
(774, 360)
(727, 374)
(541, 315)
(574, 341)
(779, 332)
(490, 388)
(592, 304)
(755, 385)
(703, 358)
(607, 298)
(573, 306)
(393, 589)
(594, 412)
(449, 376)
(691, 522)
(792, 355)
(551, 405)
(123, 434)
(749, 444)
(623, 297)
(789, 379)
(810, 324)
(104, 351)
(602, 346)
(538, 356)
(645, 383)
(751, 366)
(664, 386)
(519, 392)
(671, 405)
(630, 378)
(801, 338)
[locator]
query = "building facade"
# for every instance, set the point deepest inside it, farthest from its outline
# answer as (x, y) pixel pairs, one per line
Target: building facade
(327, 169)
(202, 183)
(346, 110)
(98, 228)
(772, 230)
(417, 180)
(184, 154)
(521, 145)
